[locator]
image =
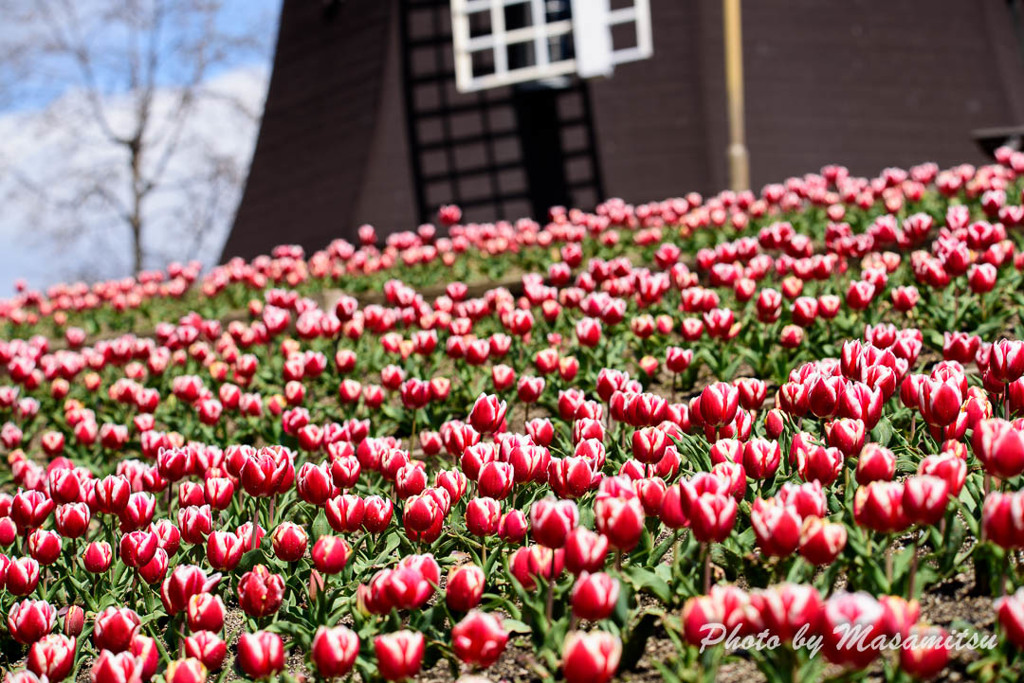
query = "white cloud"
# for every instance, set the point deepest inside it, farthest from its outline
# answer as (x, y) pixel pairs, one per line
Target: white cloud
(59, 179)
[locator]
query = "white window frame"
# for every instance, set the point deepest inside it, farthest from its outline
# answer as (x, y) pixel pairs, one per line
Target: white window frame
(594, 54)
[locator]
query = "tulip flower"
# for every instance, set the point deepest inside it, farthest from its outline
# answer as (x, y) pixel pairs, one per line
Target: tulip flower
(260, 592)
(594, 596)
(585, 550)
(330, 554)
(512, 528)
(718, 404)
(224, 550)
(260, 654)
(947, 466)
(52, 656)
(483, 516)
(496, 480)
(345, 513)
(122, 666)
(551, 521)
(789, 607)
(114, 629)
(30, 620)
(1010, 613)
(289, 542)
(208, 648)
(399, 654)
(1007, 360)
(138, 548)
(487, 414)
(761, 458)
(840, 613)
(590, 657)
(650, 444)
(879, 506)
(72, 519)
(776, 527)
(334, 651)
(22, 575)
(205, 612)
(464, 588)
(377, 514)
(999, 445)
(925, 498)
(620, 519)
(929, 656)
(479, 639)
(712, 516)
(821, 541)
(875, 463)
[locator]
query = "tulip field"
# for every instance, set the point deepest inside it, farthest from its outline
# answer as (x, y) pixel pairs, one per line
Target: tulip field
(756, 436)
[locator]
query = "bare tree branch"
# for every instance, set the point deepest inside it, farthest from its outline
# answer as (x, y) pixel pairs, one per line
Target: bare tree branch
(140, 68)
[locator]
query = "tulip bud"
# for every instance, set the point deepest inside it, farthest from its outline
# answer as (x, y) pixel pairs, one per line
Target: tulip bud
(74, 621)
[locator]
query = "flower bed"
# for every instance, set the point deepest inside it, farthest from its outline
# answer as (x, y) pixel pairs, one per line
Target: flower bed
(727, 429)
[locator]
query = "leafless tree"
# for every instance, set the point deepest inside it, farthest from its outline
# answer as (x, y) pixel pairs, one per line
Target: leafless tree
(130, 75)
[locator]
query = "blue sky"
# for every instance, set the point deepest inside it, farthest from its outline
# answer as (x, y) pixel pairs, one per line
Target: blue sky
(257, 18)
(40, 139)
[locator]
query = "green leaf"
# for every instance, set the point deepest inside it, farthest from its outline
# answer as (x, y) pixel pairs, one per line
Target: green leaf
(648, 581)
(516, 626)
(249, 560)
(320, 527)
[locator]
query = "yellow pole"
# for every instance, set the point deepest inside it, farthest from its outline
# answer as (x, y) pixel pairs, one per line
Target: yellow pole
(739, 162)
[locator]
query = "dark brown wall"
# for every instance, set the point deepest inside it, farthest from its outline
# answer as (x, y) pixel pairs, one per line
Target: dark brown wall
(863, 83)
(319, 126)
